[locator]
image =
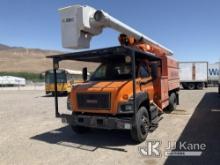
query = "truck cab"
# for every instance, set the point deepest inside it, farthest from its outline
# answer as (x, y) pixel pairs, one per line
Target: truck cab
(129, 90)
(111, 86)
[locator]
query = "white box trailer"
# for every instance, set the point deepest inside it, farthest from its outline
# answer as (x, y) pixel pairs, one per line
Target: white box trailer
(219, 85)
(214, 72)
(12, 81)
(193, 75)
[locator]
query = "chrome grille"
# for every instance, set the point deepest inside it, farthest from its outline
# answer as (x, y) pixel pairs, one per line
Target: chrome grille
(94, 101)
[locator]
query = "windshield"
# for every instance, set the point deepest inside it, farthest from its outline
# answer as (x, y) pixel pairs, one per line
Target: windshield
(112, 71)
(61, 78)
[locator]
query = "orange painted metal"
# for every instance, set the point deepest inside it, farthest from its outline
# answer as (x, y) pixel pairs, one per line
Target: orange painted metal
(169, 78)
(157, 90)
(117, 89)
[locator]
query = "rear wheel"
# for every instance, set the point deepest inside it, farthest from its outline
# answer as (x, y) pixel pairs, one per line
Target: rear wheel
(58, 93)
(141, 125)
(184, 85)
(172, 102)
(191, 86)
(199, 86)
(218, 88)
(65, 93)
(53, 94)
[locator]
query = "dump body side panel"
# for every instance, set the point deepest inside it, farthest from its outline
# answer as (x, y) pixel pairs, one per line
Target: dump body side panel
(168, 81)
(173, 74)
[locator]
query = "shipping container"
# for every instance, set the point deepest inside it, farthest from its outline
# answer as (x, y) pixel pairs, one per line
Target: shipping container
(193, 75)
(213, 72)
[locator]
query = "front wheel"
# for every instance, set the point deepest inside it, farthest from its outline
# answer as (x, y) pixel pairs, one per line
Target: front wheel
(141, 125)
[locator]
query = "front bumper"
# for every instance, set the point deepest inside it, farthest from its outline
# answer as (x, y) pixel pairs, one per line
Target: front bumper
(101, 122)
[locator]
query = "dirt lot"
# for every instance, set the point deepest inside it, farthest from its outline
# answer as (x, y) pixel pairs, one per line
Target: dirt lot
(30, 134)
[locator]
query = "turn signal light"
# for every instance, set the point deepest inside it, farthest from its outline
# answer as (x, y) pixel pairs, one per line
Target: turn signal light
(125, 97)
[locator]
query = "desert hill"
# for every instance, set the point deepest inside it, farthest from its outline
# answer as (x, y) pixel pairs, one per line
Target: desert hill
(19, 59)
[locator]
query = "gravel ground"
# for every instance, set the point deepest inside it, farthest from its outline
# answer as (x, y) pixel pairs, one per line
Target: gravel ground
(30, 134)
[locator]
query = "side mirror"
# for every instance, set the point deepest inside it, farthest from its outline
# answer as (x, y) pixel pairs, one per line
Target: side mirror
(84, 74)
(154, 71)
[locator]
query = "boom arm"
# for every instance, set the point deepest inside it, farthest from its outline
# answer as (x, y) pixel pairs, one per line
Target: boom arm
(80, 23)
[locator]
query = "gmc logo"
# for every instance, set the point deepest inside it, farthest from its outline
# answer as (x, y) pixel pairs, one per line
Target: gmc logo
(92, 101)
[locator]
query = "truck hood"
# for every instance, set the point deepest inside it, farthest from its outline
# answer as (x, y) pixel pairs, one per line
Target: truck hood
(101, 85)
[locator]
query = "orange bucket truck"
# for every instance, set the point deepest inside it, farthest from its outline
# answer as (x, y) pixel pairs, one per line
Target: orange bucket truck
(132, 86)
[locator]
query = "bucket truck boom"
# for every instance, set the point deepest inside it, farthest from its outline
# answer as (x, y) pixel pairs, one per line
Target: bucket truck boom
(80, 23)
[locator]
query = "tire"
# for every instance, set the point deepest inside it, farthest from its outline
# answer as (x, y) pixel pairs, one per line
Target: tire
(65, 93)
(53, 94)
(172, 102)
(184, 85)
(191, 86)
(79, 129)
(141, 126)
(199, 86)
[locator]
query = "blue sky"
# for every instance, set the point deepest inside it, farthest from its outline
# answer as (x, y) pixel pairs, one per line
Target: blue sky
(191, 28)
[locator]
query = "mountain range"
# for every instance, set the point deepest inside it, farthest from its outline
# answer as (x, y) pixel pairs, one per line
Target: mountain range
(33, 60)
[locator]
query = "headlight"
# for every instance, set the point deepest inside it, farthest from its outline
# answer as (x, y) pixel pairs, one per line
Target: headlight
(126, 108)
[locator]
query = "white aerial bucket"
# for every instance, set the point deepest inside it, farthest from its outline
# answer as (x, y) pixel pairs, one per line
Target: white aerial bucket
(76, 28)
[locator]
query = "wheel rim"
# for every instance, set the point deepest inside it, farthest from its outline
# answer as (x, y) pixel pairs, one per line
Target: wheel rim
(191, 86)
(144, 125)
(199, 86)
